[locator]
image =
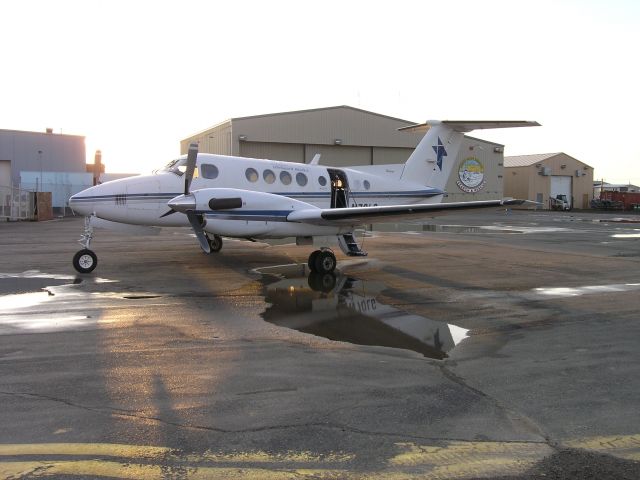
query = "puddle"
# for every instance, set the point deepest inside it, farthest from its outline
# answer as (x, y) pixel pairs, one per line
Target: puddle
(586, 290)
(13, 284)
(139, 297)
(416, 229)
(626, 235)
(34, 301)
(343, 308)
(468, 229)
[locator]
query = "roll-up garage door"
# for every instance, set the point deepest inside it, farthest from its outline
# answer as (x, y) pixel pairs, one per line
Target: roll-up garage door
(561, 185)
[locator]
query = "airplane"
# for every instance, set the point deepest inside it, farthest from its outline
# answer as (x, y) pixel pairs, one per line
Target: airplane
(249, 198)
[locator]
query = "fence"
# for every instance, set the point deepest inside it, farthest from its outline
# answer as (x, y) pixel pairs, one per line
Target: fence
(16, 203)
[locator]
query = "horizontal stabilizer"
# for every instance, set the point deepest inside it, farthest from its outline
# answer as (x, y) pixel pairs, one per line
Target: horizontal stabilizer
(464, 126)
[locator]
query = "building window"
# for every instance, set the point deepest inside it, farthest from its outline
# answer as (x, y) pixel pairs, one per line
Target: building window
(322, 181)
(269, 176)
(301, 178)
(252, 175)
(209, 171)
(285, 177)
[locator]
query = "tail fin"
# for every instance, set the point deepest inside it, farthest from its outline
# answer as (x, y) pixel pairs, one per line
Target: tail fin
(434, 157)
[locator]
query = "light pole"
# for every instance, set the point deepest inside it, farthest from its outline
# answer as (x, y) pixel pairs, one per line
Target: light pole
(40, 157)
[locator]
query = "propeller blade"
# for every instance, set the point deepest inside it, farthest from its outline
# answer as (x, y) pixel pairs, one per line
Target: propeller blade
(199, 231)
(192, 156)
(170, 212)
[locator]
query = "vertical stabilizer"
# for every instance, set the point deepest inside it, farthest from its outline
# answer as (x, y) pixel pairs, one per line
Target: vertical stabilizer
(437, 153)
(432, 160)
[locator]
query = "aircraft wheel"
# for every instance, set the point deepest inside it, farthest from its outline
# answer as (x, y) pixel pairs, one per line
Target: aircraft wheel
(312, 260)
(85, 261)
(325, 262)
(215, 243)
(322, 282)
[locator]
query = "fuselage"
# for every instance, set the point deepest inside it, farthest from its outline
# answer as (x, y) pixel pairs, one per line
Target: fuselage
(142, 200)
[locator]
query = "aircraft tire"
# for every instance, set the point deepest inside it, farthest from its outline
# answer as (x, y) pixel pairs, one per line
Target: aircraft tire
(215, 243)
(311, 263)
(325, 262)
(85, 261)
(322, 282)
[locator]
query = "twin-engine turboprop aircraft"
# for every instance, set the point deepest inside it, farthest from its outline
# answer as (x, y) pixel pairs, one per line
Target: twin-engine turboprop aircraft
(255, 199)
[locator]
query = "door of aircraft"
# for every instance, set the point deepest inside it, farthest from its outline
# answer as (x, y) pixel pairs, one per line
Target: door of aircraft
(339, 188)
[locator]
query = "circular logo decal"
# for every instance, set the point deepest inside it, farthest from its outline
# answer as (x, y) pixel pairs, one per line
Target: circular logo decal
(471, 175)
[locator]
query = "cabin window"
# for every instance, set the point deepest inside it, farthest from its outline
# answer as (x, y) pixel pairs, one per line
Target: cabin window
(209, 171)
(301, 178)
(322, 181)
(366, 185)
(285, 177)
(252, 175)
(269, 176)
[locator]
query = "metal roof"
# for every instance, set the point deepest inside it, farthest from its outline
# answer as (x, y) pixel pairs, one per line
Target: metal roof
(409, 122)
(266, 115)
(527, 160)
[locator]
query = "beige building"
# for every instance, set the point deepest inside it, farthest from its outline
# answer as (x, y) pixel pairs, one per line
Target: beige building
(544, 176)
(346, 136)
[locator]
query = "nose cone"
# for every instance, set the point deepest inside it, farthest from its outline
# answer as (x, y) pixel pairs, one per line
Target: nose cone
(183, 203)
(82, 202)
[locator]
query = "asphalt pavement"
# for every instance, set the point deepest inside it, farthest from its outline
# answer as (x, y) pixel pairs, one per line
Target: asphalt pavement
(501, 344)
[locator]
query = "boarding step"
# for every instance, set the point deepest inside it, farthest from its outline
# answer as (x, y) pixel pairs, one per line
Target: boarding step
(349, 246)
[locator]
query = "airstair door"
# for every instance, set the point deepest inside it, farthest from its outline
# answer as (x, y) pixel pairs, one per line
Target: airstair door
(339, 188)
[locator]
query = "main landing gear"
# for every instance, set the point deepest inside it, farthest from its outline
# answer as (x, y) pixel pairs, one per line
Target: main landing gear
(85, 261)
(322, 261)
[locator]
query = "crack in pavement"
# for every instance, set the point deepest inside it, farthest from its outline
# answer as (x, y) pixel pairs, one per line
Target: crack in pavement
(328, 425)
(513, 415)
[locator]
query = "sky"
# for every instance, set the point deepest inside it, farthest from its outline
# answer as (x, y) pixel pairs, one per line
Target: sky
(136, 77)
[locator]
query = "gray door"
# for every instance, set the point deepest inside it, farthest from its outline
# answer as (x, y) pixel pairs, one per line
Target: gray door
(5, 173)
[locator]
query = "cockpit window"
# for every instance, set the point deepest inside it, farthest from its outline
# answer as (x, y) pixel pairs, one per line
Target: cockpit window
(177, 166)
(209, 170)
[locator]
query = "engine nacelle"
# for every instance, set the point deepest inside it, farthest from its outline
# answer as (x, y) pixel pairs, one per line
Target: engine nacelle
(244, 213)
(233, 199)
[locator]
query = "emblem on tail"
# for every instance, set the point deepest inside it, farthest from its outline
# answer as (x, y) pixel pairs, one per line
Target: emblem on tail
(440, 153)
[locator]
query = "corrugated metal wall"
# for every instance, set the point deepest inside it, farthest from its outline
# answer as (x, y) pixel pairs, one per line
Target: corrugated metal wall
(324, 126)
(339, 156)
(388, 155)
(217, 139)
(60, 153)
(287, 152)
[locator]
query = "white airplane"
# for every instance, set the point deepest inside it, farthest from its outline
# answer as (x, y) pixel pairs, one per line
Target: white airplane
(218, 195)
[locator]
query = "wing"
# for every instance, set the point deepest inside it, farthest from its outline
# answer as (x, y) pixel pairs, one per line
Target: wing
(393, 213)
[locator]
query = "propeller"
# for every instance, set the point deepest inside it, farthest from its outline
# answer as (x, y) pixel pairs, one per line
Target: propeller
(187, 203)
(192, 156)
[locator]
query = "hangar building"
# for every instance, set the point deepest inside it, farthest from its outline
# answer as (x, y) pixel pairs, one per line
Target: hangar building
(42, 161)
(347, 136)
(543, 176)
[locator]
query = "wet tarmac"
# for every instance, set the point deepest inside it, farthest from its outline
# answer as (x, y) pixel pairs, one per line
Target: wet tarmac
(486, 345)
(343, 308)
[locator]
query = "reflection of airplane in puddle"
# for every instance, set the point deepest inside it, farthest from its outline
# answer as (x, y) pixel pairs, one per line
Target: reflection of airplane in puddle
(342, 308)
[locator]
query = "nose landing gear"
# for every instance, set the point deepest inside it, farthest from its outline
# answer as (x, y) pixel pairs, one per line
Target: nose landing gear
(85, 261)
